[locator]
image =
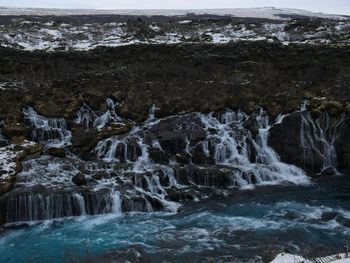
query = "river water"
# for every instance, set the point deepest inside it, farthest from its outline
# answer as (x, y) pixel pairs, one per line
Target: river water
(248, 226)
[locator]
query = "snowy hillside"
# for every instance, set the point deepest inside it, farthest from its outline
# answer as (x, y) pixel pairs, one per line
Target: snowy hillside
(55, 35)
(63, 29)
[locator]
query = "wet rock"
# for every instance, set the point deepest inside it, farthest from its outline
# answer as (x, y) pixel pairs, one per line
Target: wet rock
(178, 195)
(57, 151)
(101, 175)
(347, 110)
(252, 124)
(129, 151)
(79, 179)
(83, 141)
(334, 108)
(183, 158)
(134, 204)
(285, 139)
(343, 221)
(208, 176)
(17, 133)
(198, 156)
(175, 133)
(342, 145)
(159, 156)
(327, 216)
(114, 128)
(329, 171)
(6, 185)
(156, 204)
(315, 113)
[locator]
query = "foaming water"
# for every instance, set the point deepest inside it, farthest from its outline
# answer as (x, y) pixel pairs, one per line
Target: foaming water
(253, 225)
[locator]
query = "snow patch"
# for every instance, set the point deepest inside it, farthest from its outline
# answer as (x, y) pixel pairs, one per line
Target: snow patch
(290, 258)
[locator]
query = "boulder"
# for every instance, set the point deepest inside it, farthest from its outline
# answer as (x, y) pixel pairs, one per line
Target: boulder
(328, 171)
(114, 128)
(16, 133)
(56, 151)
(79, 179)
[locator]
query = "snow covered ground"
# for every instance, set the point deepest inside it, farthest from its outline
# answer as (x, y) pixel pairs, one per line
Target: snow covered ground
(290, 258)
(260, 12)
(58, 35)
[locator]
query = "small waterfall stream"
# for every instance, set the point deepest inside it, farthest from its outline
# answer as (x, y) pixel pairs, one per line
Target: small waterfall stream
(51, 131)
(318, 137)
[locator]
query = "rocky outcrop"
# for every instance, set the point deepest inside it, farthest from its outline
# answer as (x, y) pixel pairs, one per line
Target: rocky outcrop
(315, 143)
(84, 141)
(343, 146)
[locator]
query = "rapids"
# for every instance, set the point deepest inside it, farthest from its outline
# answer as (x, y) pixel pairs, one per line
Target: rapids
(249, 226)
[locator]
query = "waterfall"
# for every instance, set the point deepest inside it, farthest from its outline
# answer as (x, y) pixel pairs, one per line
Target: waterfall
(151, 168)
(317, 138)
(90, 118)
(248, 161)
(51, 131)
(86, 116)
(116, 202)
(29, 207)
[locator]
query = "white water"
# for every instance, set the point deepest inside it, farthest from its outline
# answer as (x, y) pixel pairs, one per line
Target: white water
(318, 138)
(90, 118)
(132, 179)
(52, 131)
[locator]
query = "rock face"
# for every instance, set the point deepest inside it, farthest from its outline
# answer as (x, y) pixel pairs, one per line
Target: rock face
(343, 146)
(316, 145)
(193, 78)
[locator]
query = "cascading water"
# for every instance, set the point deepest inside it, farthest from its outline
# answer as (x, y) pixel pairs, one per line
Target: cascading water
(317, 139)
(51, 131)
(238, 161)
(89, 118)
(156, 164)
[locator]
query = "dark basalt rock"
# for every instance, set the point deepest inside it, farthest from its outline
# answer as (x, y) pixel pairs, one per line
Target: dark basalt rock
(194, 77)
(57, 151)
(252, 124)
(328, 171)
(83, 141)
(16, 132)
(342, 145)
(79, 179)
(285, 139)
(114, 128)
(101, 175)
